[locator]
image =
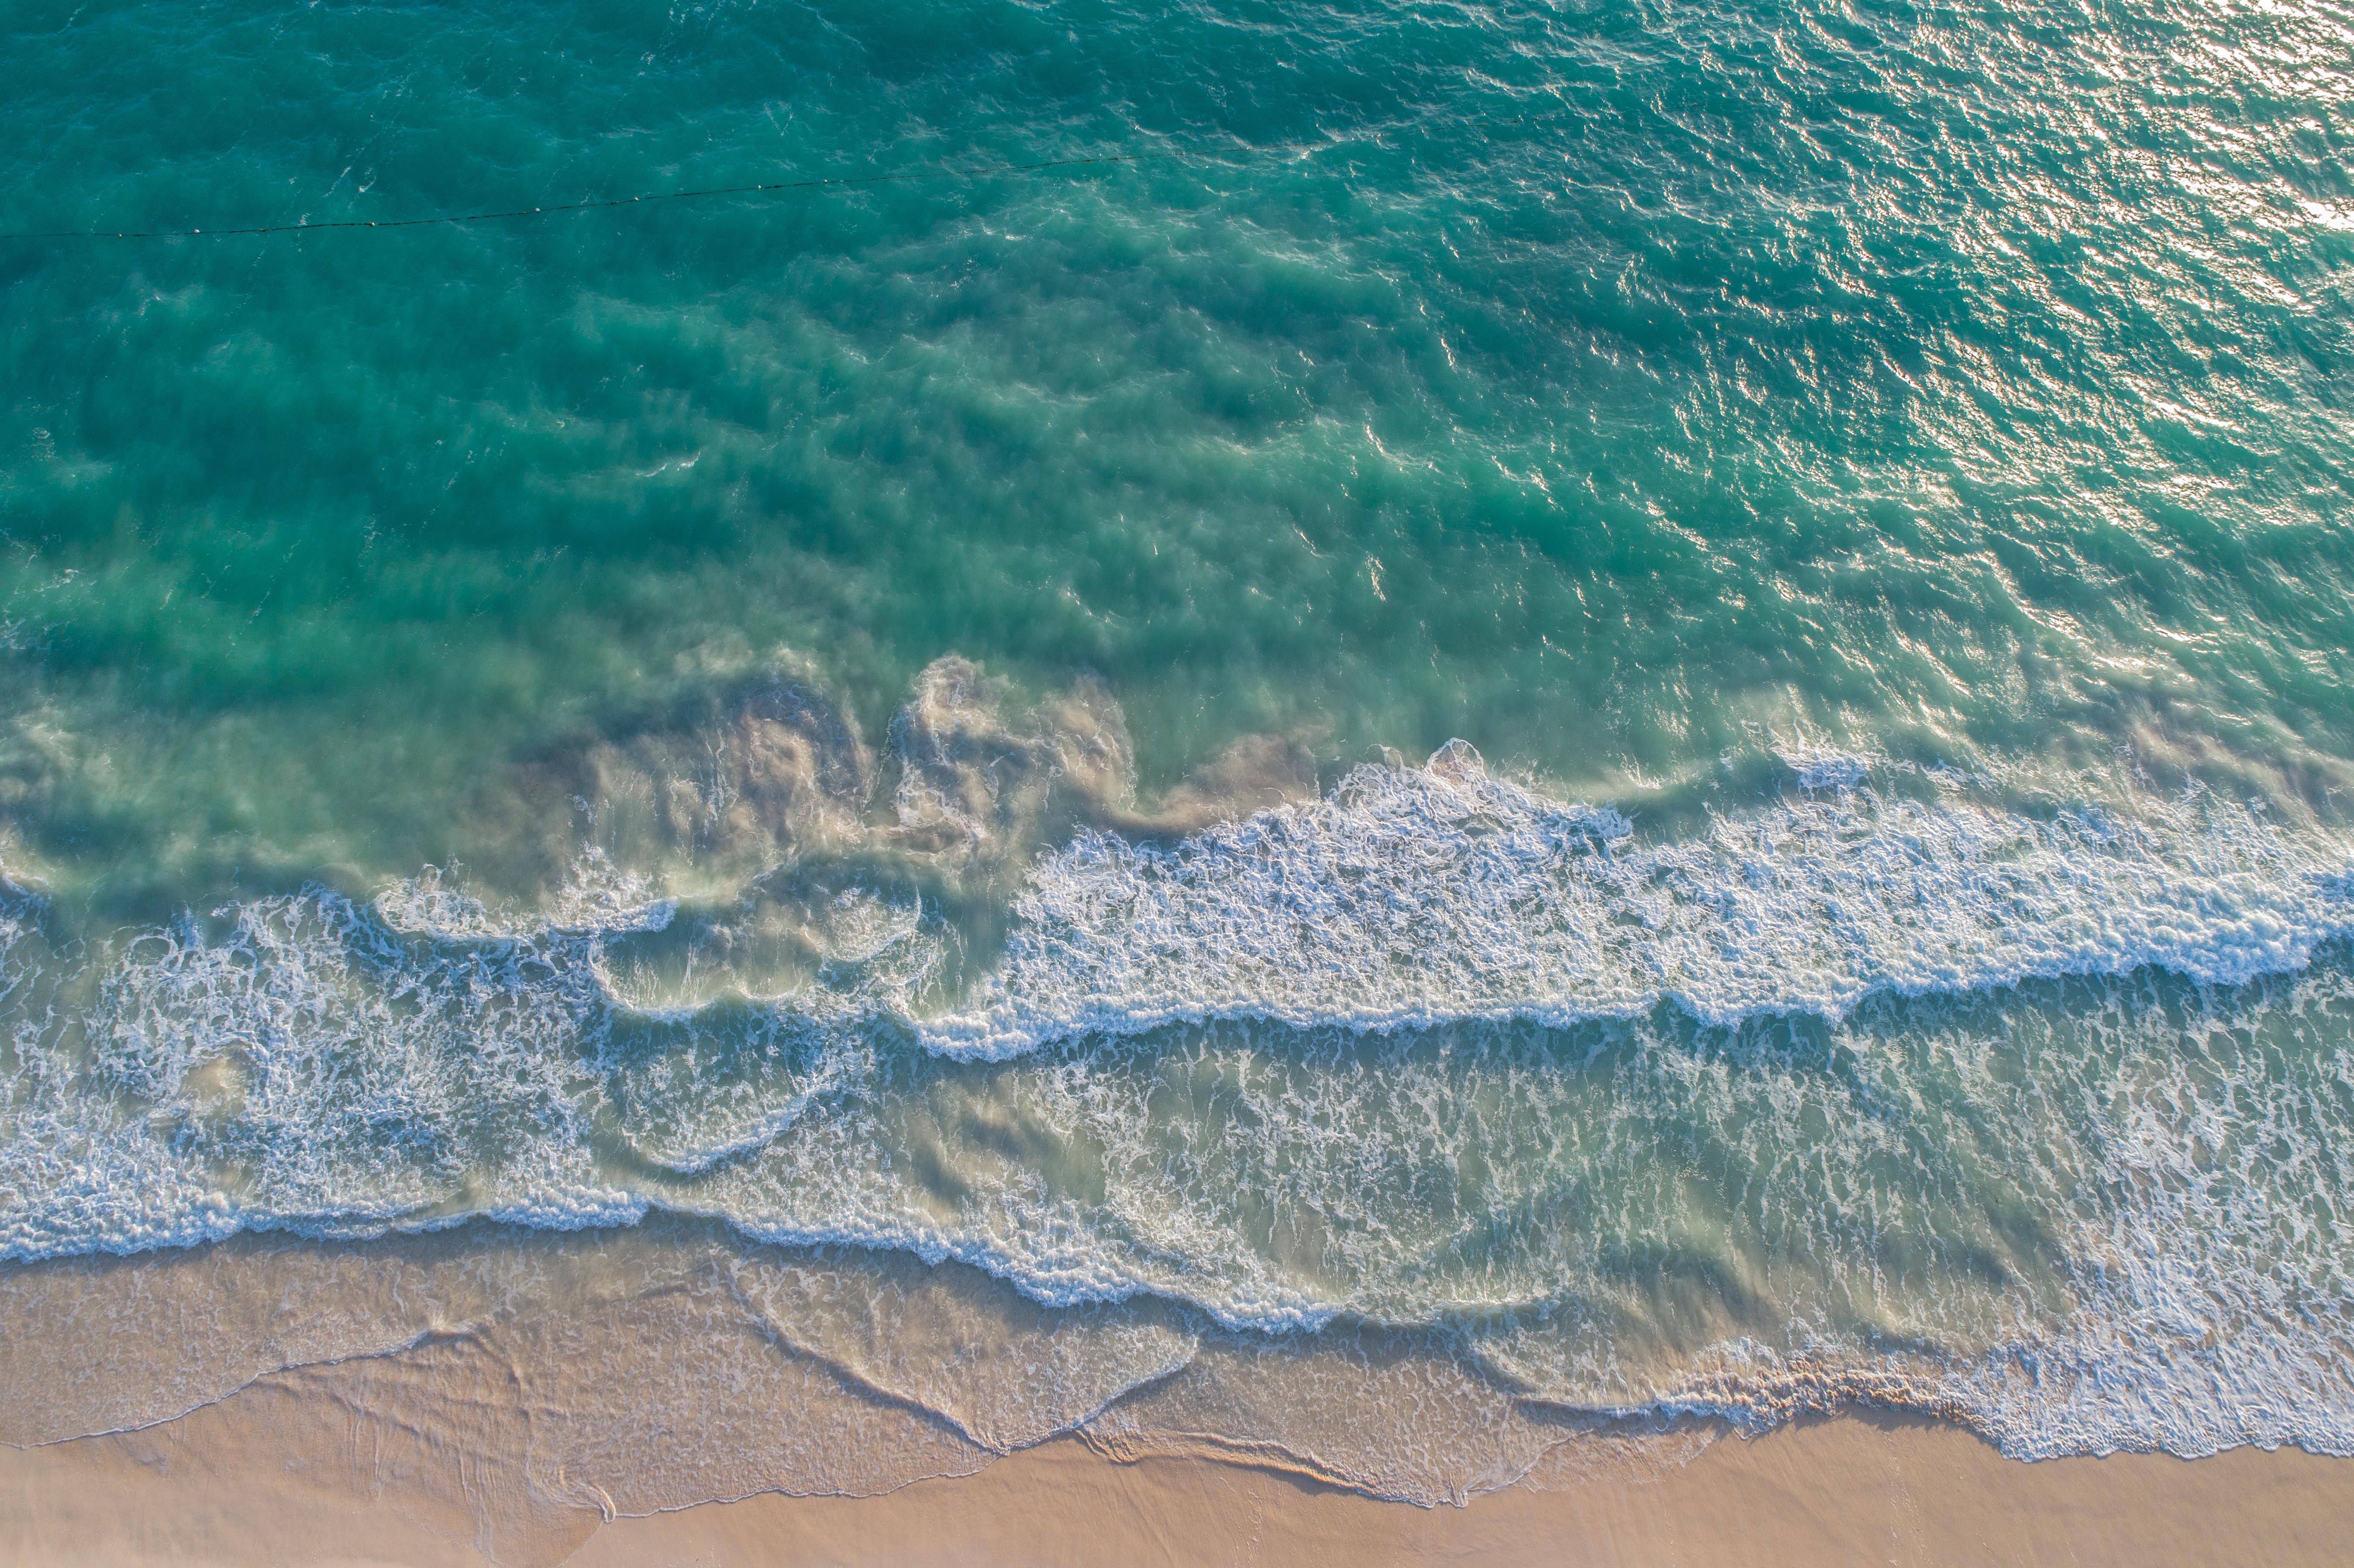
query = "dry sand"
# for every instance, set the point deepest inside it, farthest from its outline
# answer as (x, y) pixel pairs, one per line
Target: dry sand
(292, 1471)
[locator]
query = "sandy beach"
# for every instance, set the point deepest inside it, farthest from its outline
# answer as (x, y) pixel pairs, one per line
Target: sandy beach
(303, 1468)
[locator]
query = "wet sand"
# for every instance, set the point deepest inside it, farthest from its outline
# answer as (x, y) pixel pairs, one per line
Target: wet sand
(295, 1470)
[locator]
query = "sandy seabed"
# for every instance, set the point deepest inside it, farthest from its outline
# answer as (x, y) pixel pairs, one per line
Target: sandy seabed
(288, 1471)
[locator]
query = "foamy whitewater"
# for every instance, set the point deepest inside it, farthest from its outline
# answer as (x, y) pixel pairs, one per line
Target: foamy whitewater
(1417, 899)
(2043, 1123)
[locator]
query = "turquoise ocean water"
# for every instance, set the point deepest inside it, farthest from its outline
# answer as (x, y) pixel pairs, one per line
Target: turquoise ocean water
(1655, 697)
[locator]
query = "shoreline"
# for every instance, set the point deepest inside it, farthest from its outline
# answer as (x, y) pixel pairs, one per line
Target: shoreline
(296, 1470)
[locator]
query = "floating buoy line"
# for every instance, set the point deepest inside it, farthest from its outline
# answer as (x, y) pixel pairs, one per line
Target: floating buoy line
(931, 173)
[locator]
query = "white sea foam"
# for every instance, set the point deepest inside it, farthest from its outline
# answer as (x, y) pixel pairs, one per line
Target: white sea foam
(1414, 898)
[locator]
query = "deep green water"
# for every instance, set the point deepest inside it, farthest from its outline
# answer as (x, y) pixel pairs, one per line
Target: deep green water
(1889, 462)
(1596, 384)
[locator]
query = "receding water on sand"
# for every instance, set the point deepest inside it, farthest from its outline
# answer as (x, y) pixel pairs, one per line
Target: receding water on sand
(673, 1363)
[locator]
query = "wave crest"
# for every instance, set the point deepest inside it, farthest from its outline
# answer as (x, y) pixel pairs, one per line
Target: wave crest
(1413, 897)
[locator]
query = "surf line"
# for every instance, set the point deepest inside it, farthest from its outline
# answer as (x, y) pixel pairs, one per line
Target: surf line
(938, 171)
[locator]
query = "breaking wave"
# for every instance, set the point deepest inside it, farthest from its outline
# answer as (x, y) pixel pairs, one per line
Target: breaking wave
(1410, 898)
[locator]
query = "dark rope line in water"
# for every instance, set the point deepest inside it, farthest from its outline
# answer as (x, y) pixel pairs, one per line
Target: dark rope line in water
(924, 174)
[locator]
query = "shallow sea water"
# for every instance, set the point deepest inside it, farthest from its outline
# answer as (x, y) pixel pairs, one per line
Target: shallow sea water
(1420, 738)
